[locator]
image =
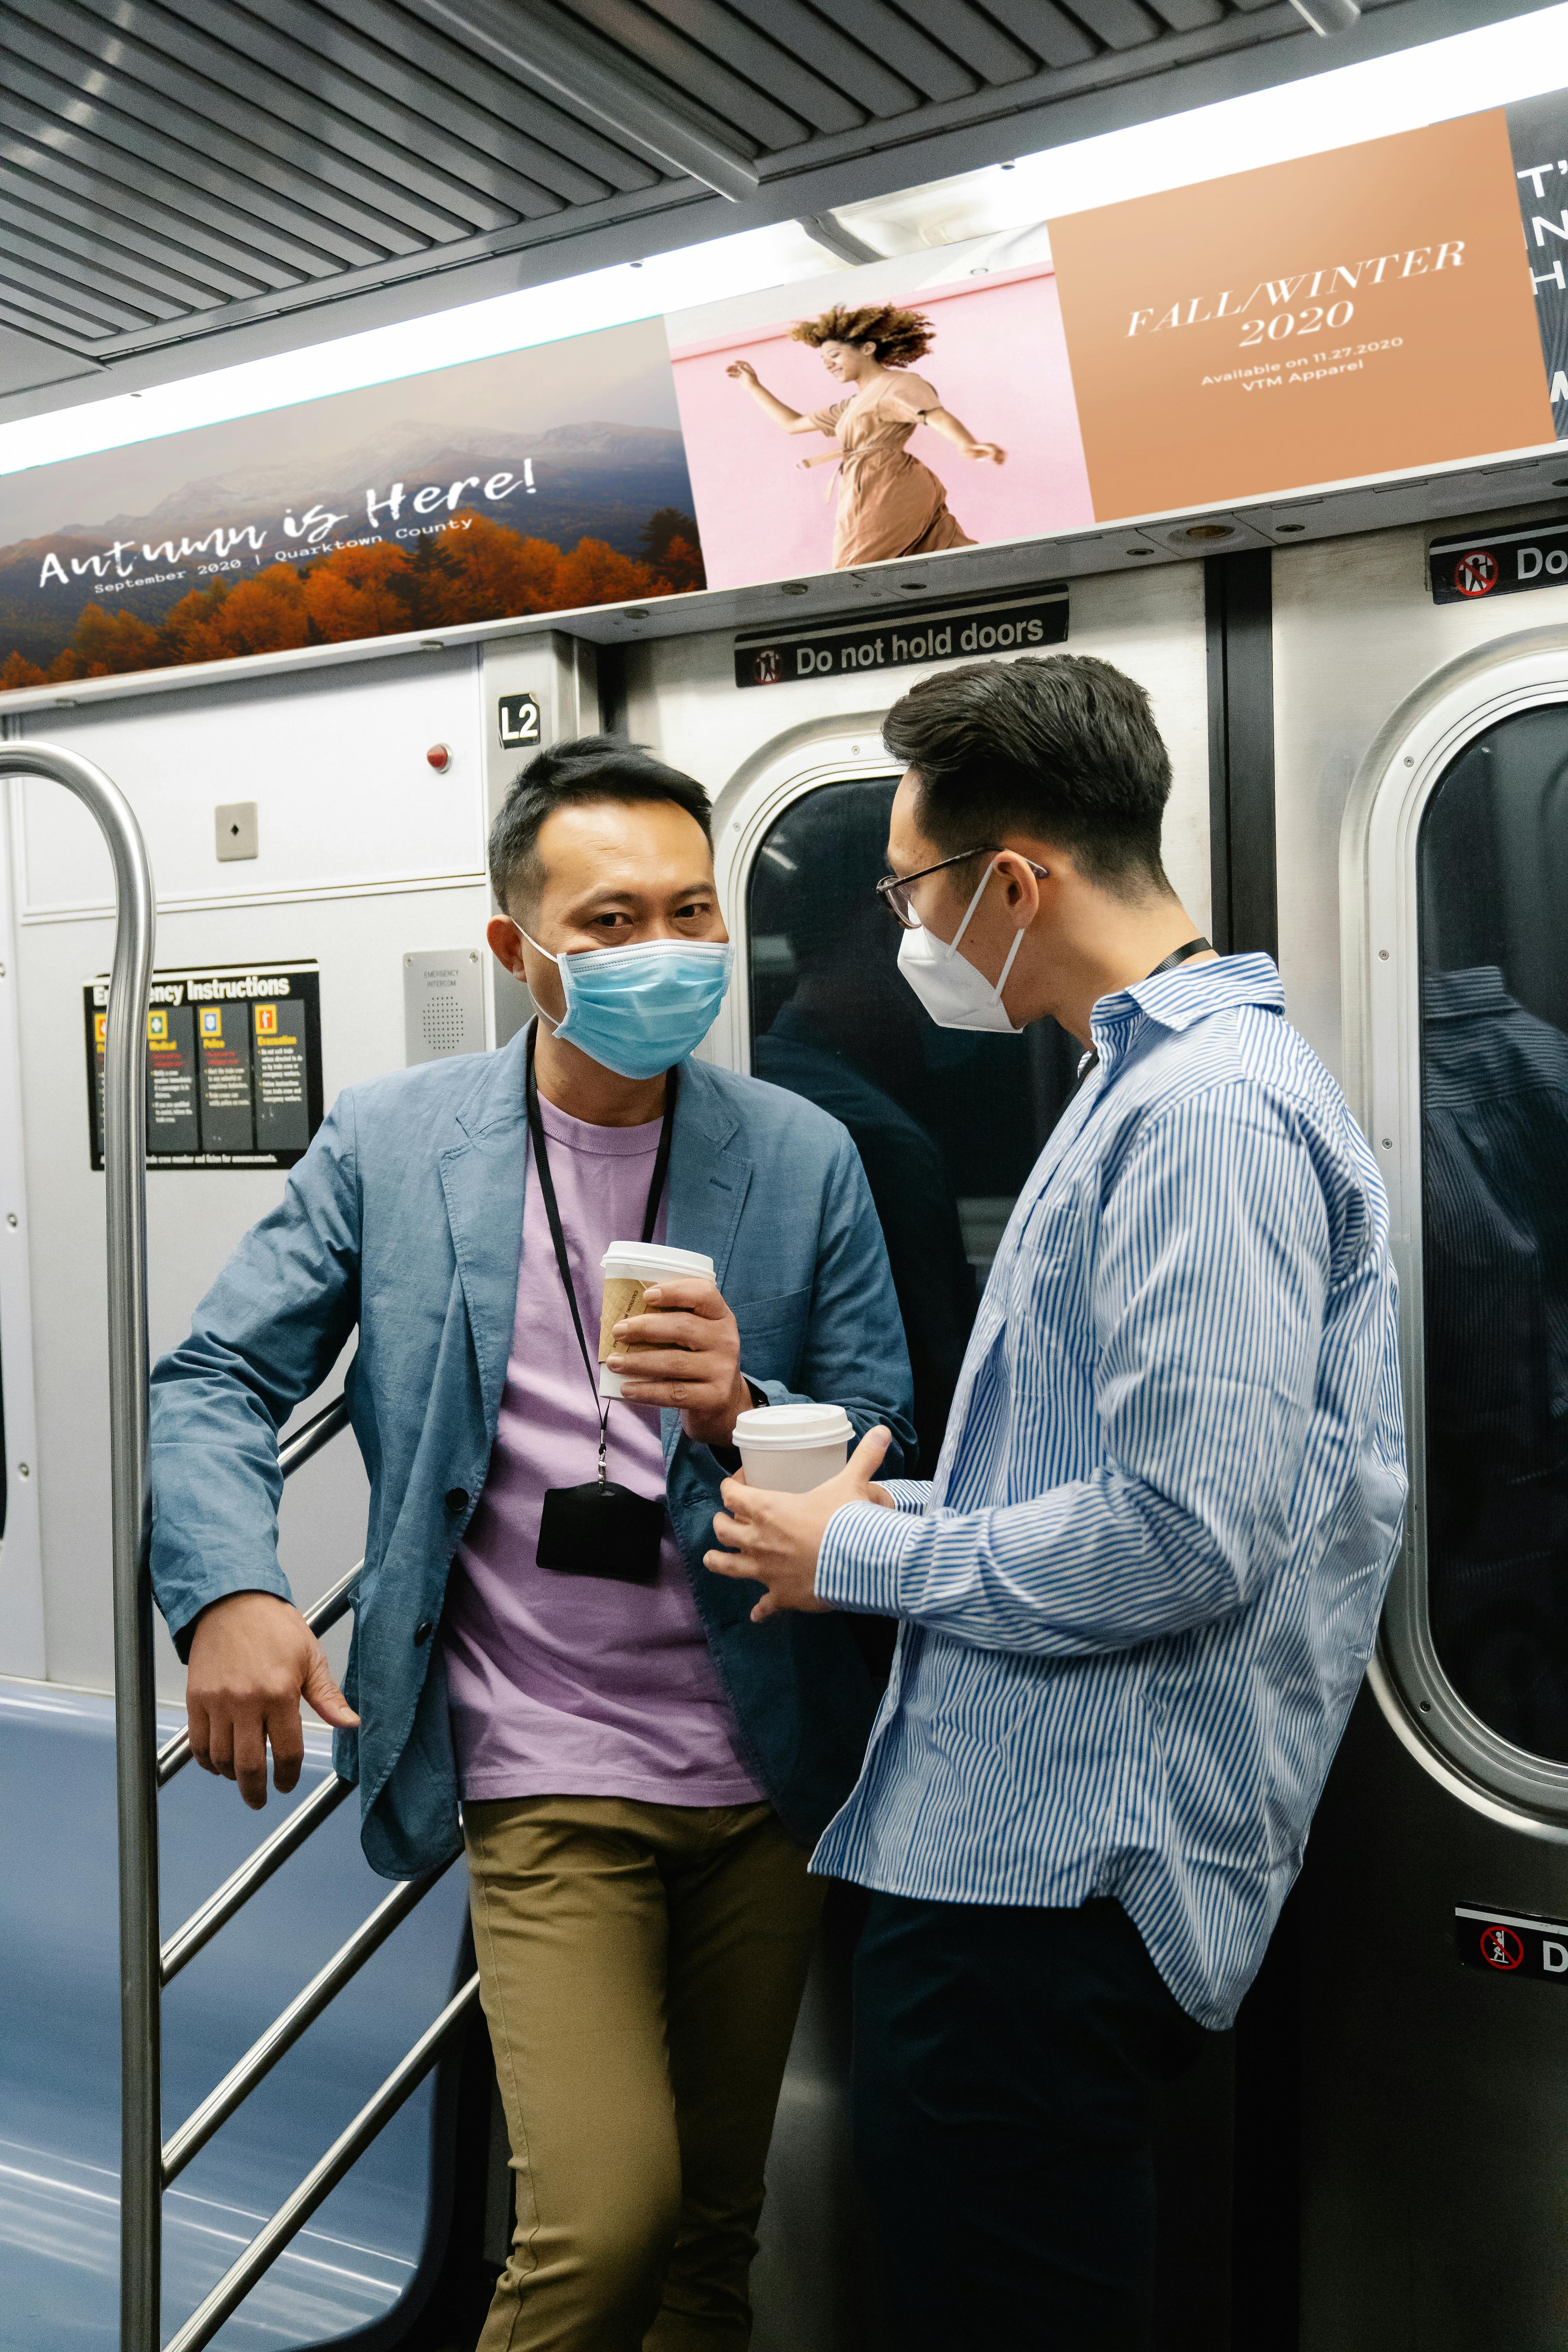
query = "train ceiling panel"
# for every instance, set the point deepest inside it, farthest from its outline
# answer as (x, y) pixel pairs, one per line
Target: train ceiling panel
(172, 172)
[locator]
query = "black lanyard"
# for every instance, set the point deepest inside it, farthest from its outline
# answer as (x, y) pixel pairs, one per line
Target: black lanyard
(1178, 955)
(552, 1210)
(1166, 963)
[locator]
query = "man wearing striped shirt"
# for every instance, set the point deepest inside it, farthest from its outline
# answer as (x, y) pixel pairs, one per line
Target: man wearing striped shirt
(1137, 1599)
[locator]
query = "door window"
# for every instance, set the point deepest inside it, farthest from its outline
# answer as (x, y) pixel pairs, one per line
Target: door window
(1492, 862)
(948, 1123)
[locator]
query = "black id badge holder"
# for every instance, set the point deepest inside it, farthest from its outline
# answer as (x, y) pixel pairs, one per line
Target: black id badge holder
(602, 1528)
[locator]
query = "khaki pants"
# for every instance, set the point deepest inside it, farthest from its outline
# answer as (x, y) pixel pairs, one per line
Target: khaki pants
(640, 1967)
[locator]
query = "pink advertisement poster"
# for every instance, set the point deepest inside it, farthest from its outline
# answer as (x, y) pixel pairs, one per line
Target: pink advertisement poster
(960, 429)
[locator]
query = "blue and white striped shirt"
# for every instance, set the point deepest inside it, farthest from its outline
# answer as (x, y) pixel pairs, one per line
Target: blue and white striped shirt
(1140, 1594)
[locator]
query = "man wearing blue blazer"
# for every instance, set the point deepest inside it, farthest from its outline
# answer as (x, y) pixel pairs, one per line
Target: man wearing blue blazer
(542, 1672)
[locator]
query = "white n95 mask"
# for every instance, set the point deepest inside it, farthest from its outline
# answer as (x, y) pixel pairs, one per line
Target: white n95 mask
(954, 995)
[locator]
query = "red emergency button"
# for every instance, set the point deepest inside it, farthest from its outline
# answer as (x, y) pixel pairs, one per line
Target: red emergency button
(440, 757)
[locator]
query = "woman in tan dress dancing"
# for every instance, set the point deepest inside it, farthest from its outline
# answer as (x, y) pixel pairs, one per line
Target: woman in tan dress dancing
(888, 503)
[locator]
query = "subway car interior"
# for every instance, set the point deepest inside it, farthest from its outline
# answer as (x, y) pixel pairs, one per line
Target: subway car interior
(246, 2092)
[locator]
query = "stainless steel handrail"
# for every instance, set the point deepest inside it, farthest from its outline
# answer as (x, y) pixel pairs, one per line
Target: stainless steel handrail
(284, 2031)
(253, 1872)
(336, 1602)
(303, 1443)
(318, 2184)
(135, 1719)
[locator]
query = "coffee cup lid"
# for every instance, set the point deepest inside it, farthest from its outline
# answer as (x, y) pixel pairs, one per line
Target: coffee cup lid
(646, 1260)
(791, 1428)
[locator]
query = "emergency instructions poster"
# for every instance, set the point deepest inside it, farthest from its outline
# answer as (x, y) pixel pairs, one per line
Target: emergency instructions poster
(234, 1066)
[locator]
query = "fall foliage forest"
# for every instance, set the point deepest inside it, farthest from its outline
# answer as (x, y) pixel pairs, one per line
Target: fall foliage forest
(484, 572)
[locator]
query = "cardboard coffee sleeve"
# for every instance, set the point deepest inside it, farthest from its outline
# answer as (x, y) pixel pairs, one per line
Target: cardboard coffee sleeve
(622, 1297)
(630, 1269)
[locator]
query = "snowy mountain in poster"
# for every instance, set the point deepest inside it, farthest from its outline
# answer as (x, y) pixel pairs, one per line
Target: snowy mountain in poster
(474, 493)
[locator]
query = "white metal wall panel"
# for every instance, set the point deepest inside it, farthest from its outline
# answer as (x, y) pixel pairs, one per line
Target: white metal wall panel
(335, 762)
(21, 1570)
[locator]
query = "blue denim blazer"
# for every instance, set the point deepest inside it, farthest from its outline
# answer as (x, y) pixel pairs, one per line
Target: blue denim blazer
(406, 1218)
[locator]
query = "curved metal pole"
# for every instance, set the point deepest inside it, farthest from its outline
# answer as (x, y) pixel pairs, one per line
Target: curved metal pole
(135, 1734)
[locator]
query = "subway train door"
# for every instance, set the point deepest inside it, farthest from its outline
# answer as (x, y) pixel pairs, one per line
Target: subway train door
(1435, 1950)
(948, 1125)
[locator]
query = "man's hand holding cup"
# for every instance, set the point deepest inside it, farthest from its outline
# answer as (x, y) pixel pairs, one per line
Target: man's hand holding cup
(776, 1537)
(683, 1349)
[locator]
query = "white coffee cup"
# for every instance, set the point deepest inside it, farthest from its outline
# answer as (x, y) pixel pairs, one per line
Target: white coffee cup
(643, 1263)
(793, 1447)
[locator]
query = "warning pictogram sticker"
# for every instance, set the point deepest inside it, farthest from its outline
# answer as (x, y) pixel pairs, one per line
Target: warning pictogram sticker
(1476, 574)
(1519, 1947)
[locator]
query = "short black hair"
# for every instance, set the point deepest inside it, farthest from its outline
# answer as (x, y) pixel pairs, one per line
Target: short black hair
(592, 768)
(1064, 748)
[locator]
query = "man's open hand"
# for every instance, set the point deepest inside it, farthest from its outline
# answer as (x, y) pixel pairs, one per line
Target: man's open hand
(685, 1351)
(776, 1537)
(253, 1658)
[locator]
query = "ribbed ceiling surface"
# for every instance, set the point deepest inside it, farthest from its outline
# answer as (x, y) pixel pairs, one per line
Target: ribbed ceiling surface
(170, 166)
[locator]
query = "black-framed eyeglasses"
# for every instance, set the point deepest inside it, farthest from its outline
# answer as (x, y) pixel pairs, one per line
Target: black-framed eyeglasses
(893, 889)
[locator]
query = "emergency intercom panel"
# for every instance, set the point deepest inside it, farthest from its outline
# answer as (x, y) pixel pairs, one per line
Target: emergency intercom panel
(443, 1005)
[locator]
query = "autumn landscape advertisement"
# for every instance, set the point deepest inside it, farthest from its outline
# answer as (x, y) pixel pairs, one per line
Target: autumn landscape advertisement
(538, 482)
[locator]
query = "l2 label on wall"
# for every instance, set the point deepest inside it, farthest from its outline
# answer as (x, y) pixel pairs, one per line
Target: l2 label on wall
(517, 721)
(234, 1066)
(961, 632)
(1506, 1943)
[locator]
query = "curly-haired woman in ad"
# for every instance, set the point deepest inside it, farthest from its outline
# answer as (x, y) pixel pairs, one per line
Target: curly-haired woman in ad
(888, 503)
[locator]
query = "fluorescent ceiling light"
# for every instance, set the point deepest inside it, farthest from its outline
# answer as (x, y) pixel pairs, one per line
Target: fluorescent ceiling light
(415, 347)
(475, 330)
(1463, 74)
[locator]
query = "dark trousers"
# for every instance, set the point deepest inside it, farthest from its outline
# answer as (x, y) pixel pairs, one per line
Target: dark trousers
(1005, 2067)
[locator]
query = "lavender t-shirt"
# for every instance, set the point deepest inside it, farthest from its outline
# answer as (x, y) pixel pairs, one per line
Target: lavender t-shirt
(578, 1686)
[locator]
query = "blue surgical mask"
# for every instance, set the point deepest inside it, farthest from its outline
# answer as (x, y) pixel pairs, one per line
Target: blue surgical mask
(638, 1010)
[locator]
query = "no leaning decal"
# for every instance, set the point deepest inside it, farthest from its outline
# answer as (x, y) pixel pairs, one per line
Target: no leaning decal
(1499, 563)
(1508, 1943)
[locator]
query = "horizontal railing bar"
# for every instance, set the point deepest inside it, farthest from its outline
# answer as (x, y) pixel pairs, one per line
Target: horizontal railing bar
(284, 2031)
(253, 1872)
(303, 1444)
(336, 1602)
(318, 2185)
(175, 1754)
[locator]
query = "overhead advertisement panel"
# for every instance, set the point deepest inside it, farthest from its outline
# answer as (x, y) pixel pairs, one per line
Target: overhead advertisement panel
(544, 480)
(1377, 310)
(1363, 312)
(964, 434)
